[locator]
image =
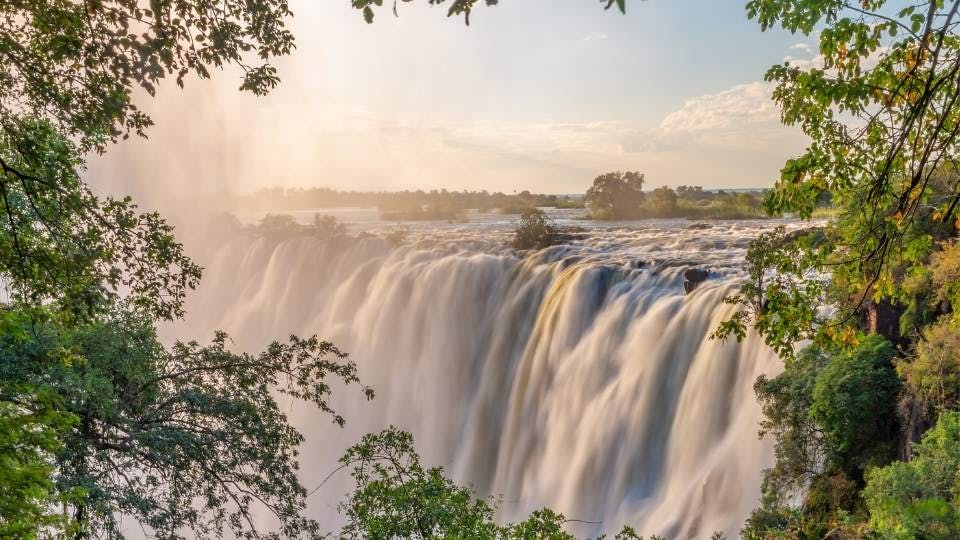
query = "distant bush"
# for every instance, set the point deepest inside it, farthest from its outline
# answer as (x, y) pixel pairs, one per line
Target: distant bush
(280, 226)
(400, 204)
(397, 236)
(429, 212)
(327, 227)
(569, 203)
(534, 231)
(662, 202)
(515, 207)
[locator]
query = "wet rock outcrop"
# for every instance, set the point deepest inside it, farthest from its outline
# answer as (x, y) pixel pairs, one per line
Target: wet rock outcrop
(692, 277)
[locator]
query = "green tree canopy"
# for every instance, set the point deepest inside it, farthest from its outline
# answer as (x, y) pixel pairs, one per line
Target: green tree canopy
(32, 424)
(881, 113)
(854, 403)
(534, 230)
(186, 441)
(68, 75)
(918, 499)
(615, 195)
(76, 65)
(60, 242)
(663, 202)
(397, 497)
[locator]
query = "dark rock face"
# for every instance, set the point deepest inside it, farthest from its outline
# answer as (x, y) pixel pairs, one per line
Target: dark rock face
(884, 318)
(693, 277)
(914, 422)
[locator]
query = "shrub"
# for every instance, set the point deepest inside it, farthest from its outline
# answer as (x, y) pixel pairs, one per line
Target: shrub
(514, 207)
(663, 202)
(534, 231)
(854, 403)
(917, 499)
(934, 374)
(798, 444)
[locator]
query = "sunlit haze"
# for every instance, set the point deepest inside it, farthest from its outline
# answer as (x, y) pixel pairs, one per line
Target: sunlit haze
(535, 95)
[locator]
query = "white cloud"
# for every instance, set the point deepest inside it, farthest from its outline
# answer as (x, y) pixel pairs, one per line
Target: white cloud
(735, 108)
(593, 38)
(816, 60)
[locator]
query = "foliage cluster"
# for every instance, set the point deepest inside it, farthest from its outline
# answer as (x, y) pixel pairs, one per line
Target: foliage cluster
(190, 437)
(98, 420)
(397, 497)
(919, 498)
(534, 230)
(873, 293)
(620, 196)
(615, 195)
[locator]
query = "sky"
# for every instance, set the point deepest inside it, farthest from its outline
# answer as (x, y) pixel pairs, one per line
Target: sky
(542, 95)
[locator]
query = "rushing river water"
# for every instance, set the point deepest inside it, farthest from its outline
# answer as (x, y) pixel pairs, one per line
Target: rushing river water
(580, 377)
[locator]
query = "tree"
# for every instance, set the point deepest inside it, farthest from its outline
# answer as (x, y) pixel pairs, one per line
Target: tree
(328, 227)
(94, 413)
(32, 423)
(692, 193)
(61, 243)
(831, 416)
(933, 375)
(397, 497)
(854, 403)
(893, 72)
(186, 441)
(918, 499)
(783, 290)
(75, 65)
(799, 446)
(747, 200)
(69, 71)
(663, 202)
(534, 230)
(615, 195)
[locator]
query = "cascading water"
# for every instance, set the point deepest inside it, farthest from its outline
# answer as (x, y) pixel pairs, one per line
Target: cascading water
(580, 377)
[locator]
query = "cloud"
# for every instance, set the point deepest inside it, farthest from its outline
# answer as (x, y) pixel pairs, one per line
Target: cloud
(815, 60)
(735, 108)
(593, 38)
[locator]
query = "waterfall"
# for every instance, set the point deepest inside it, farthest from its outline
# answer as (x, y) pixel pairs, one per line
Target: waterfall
(580, 377)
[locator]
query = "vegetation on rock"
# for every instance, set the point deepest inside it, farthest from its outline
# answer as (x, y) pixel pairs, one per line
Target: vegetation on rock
(534, 231)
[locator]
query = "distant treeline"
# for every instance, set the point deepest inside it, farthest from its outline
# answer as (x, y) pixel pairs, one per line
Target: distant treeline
(613, 196)
(419, 204)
